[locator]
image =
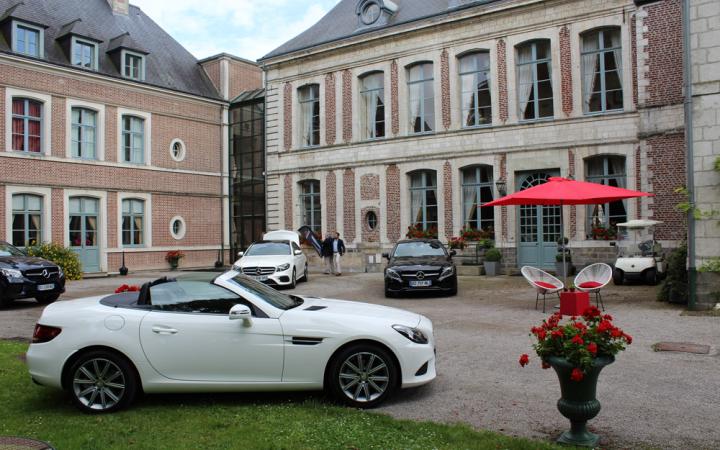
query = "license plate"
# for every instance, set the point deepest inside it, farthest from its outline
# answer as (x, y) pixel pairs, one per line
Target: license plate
(46, 287)
(260, 278)
(423, 283)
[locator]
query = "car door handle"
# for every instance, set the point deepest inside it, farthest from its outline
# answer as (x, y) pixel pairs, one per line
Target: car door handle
(163, 330)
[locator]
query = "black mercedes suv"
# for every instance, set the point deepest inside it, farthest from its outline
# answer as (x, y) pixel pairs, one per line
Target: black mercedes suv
(420, 265)
(23, 276)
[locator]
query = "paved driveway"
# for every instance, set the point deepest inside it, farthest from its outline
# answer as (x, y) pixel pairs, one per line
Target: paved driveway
(649, 399)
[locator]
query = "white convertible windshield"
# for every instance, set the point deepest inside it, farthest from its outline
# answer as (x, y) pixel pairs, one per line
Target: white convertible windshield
(269, 249)
(270, 295)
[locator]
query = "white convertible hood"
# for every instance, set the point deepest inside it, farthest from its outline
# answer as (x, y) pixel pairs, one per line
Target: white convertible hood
(356, 311)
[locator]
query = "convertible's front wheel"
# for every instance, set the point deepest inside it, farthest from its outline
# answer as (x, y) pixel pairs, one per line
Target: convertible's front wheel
(102, 382)
(363, 376)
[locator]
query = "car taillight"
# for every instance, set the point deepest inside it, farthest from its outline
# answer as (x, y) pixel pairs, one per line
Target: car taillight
(44, 333)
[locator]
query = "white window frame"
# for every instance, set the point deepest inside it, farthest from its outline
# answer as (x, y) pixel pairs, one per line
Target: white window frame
(96, 57)
(183, 230)
(99, 109)
(147, 218)
(45, 193)
(183, 154)
(124, 53)
(45, 121)
(147, 138)
(41, 38)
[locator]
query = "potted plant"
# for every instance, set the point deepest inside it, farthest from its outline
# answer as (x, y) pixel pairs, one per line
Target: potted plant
(578, 349)
(560, 269)
(173, 257)
(492, 261)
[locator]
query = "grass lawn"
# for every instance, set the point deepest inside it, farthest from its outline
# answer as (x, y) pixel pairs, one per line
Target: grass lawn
(217, 421)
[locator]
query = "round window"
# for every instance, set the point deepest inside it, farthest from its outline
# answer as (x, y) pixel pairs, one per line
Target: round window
(370, 13)
(177, 150)
(371, 220)
(177, 227)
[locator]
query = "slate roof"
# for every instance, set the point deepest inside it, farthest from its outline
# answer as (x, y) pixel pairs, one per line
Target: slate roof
(247, 96)
(167, 63)
(342, 21)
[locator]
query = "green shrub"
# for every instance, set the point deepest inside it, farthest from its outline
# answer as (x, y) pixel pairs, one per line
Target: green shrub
(67, 259)
(493, 255)
(559, 257)
(675, 286)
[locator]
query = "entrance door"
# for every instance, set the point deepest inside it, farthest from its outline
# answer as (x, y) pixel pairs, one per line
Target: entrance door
(539, 226)
(84, 231)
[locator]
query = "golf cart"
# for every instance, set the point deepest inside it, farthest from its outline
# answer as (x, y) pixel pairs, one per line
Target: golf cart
(640, 256)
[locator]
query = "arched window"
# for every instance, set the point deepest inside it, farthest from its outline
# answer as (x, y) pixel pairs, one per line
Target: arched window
(534, 80)
(610, 171)
(421, 97)
(27, 216)
(310, 201)
(309, 97)
(133, 222)
(84, 131)
(27, 116)
(372, 97)
(423, 199)
(477, 189)
(602, 70)
(475, 89)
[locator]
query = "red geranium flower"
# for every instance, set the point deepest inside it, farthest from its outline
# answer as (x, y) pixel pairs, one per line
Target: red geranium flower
(591, 312)
(577, 374)
(592, 348)
(524, 360)
(616, 332)
(558, 333)
(627, 338)
(605, 326)
(577, 340)
(607, 317)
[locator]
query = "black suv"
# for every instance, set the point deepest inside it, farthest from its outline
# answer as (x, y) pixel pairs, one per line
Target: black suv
(420, 265)
(23, 276)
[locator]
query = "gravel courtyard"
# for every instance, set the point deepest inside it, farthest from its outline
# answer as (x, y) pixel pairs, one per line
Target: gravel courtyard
(649, 399)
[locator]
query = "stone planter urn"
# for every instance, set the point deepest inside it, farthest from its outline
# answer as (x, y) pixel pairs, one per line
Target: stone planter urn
(492, 268)
(577, 401)
(174, 264)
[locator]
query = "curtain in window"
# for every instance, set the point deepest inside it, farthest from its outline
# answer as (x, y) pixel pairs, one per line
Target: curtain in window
(416, 200)
(372, 113)
(590, 65)
(615, 42)
(471, 200)
(525, 77)
(415, 118)
(307, 114)
(617, 166)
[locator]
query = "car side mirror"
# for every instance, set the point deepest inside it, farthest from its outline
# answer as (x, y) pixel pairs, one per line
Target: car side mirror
(240, 254)
(241, 312)
(298, 252)
(452, 253)
(386, 256)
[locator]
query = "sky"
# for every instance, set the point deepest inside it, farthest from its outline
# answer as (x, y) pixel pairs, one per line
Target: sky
(246, 28)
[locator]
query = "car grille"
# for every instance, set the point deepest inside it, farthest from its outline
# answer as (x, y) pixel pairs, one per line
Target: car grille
(427, 275)
(37, 275)
(258, 270)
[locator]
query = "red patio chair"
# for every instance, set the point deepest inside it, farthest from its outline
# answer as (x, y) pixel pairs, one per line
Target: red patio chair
(543, 282)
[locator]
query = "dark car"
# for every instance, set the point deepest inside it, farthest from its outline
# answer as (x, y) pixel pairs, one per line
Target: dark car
(23, 276)
(420, 265)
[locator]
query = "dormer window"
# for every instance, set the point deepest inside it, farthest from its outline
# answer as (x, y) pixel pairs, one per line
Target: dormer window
(28, 40)
(84, 54)
(372, 13)
(133, 65)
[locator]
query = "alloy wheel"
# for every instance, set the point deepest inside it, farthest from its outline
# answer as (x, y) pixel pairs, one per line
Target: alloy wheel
(99, 384)
(364, 377)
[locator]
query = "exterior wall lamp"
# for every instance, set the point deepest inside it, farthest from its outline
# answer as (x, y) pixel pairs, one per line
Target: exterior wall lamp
(501, 186)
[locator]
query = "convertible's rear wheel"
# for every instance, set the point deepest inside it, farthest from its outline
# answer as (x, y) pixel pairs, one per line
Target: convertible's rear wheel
(363, 376)
(102, 382)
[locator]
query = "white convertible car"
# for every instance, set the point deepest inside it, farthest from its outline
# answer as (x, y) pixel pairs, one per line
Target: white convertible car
(231, 334)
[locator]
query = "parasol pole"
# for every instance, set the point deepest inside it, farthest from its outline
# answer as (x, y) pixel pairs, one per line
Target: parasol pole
(562, 239)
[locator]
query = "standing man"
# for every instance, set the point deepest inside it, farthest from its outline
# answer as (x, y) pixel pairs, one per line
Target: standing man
(338, 249)
(327, 253)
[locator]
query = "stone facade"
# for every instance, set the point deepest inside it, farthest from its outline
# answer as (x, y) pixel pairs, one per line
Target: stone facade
(647, 134)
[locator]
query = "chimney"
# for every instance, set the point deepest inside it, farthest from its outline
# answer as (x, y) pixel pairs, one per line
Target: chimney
(119, 6)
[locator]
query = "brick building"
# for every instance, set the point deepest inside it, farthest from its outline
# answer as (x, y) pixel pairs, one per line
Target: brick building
(391, 114)
(113, 137)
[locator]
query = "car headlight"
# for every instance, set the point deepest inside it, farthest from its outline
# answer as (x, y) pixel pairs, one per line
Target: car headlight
(413, 334)
(283, 267)
(61, 273)
(11, 273)
(237, 268)
(446, 272)
(392, 273)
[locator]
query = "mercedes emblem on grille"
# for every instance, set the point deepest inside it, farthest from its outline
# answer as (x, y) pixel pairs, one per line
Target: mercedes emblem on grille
(259, 271)
(45, 273)
(420, 276)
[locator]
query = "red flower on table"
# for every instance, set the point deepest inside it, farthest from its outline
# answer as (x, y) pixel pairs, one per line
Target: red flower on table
(577, 375)
(592, 348)
(524, 360)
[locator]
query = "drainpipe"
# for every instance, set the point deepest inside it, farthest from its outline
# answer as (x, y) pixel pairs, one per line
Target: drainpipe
(690, 165)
